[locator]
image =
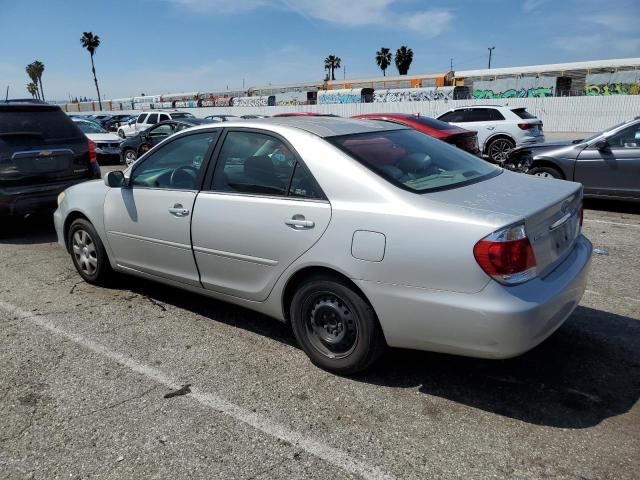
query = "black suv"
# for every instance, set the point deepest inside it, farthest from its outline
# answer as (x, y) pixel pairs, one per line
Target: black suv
(41, 153)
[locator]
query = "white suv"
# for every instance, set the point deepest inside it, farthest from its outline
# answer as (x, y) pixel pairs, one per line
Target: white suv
(500, 129)
(147, 119)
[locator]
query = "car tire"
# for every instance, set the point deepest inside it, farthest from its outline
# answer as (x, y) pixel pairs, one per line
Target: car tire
(545, 172)
(498, 148)
(130, 156)
(121, 134)
(88, 253)
(335, 326)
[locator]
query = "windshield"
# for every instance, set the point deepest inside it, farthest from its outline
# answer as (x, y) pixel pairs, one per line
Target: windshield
(593, 137)
(414, 161)
(181, 115)
(90, 127)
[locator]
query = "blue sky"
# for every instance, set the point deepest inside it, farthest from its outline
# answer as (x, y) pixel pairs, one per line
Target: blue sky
(161, 46)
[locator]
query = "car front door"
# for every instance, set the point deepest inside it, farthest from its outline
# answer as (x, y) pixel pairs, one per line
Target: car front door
(614, 168)
(262, 210)
(148, 221)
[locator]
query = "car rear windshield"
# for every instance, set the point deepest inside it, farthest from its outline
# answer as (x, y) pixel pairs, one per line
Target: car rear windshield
(90, 127)
(33, 125)
(414, 161)
(434, 123)
(522, 113)
(181, 115)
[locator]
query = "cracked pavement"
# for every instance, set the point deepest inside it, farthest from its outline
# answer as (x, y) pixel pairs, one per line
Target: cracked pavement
(84, 372)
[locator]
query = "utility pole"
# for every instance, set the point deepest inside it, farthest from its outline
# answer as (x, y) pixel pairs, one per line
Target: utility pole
(451, 67)
(344, 72)
(490, 52)
(6, 98)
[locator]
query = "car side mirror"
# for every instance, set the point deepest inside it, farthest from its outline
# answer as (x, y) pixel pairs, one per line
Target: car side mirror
(601, 145)
(115, 179)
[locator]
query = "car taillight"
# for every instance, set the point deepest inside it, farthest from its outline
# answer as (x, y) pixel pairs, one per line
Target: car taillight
(507, 256)
(92, 152)
(526, 126)
(581, 214)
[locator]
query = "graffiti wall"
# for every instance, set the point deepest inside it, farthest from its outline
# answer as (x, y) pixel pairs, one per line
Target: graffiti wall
(332, 97)
(256, 101)
(524, 87)
(428, 94)
(618, 83)
(291, 98)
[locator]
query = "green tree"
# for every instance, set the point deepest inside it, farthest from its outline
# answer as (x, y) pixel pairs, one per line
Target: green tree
(404, 57)
(33, 75)
(383, 59)
(32, 88)
(91, 43)
(39, 70)
(331, 63)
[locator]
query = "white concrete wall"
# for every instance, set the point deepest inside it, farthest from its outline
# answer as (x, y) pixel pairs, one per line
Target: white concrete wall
(559, 114)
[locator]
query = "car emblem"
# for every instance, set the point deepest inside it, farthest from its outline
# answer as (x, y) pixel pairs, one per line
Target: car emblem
(565, 206)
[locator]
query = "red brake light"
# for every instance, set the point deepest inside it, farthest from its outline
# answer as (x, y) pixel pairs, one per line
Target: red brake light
(526, 126)
(507, 255)
(92, 152)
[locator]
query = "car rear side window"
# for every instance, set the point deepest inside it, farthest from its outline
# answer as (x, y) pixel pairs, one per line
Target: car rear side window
(414, 161)
(153, 119)
(522, 113)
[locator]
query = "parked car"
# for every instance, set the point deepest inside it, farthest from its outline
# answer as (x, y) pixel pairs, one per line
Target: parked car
(461, 138)
(112, 123)
(304, 114)
(253, 117)
(134, 147)
(358, 235)
(500, 129)
(221, 118)
(42, 152)
(607, 164)
(107, 144)
(146, 119)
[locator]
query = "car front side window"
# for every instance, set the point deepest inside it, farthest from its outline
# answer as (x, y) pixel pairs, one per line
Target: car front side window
(141, 118)
(177, 165)
(627, 138)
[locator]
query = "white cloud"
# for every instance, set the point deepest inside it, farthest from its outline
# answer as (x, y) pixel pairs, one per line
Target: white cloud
(614, 22)
(531, 5)
(353, 13)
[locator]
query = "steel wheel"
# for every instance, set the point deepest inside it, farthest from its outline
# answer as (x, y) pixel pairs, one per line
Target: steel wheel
(330, 325)
(121, 134)
(84, 251)
(130, 157)
(499, 149)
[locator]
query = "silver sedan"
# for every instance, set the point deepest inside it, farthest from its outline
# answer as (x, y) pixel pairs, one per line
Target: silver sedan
(360, 234)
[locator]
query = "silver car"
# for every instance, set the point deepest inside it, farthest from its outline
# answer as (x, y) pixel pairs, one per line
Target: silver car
(359, 234)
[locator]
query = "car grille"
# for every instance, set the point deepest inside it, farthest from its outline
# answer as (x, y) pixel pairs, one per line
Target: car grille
(106, 145)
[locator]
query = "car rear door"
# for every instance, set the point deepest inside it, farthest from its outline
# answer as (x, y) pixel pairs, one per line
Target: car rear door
(262, 210)
(148, 221)
(615, 169)
(41, 145)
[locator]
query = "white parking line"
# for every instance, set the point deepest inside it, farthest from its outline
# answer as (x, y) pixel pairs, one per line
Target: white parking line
(262, 423)
(612, 223)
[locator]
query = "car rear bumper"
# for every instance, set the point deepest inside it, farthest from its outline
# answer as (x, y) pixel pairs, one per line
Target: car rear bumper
(497, 322)
(30, 199)
(530, 140)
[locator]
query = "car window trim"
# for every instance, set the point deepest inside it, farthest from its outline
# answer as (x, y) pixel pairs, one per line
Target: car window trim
(201, 174)
(208, 183)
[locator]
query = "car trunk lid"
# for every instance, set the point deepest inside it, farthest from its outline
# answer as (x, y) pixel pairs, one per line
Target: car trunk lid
(467, 141)
(550, 209)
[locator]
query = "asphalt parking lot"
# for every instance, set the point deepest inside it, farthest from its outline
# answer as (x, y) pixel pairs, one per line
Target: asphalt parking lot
(84, 372)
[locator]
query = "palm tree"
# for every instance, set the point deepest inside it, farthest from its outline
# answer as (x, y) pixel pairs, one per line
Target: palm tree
(332, 63)
(32, 88)
(404, 57)
(383, 59)
(33, 75)
(91, 42)
(39, 70)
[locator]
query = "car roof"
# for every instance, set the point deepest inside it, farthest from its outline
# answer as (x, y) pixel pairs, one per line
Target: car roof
(329, 126)
(26, 103)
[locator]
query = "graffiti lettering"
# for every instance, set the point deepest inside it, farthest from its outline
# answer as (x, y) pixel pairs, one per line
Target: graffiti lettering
(612, 89)
(535, 92)
(428, 94)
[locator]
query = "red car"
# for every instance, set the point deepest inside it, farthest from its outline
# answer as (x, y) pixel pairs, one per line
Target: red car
(444, 131)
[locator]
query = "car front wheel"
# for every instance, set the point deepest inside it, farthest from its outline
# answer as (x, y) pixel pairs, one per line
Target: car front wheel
(130, 156)
(545, 172)
(335, 326)
(88, 253)
(121, 134)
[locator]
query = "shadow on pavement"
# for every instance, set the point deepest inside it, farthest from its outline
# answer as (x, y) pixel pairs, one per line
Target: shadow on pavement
(612, 206)
(28, 231)
(588, 371)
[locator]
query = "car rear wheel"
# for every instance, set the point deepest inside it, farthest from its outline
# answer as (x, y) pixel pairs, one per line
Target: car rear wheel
(499, 148)
(545, 172)
(130, 156)
(335, 326)
(88, 253)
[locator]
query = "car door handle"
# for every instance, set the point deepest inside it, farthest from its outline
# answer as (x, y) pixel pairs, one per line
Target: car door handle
(491, 128)
(178, 210)
(299, 222)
